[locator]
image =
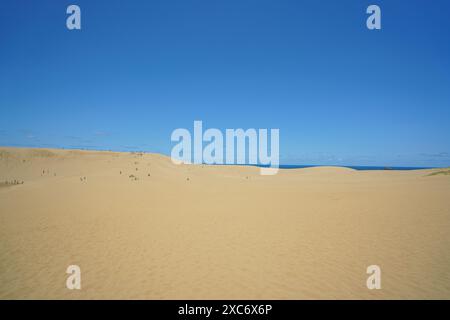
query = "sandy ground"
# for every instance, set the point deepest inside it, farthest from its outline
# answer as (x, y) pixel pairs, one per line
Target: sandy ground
(141, 227)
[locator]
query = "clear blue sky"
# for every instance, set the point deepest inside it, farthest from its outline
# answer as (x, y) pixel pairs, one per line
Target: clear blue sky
(339, 93)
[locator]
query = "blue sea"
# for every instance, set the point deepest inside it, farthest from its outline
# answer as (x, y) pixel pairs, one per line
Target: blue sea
(294, 166)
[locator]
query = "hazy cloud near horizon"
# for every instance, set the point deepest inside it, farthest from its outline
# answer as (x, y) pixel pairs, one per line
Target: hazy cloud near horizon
(436, 155)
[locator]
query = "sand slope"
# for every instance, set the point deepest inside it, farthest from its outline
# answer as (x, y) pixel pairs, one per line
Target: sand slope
(141, 227)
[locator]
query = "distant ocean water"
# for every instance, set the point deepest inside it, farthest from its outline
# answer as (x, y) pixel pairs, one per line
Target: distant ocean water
(294, 166)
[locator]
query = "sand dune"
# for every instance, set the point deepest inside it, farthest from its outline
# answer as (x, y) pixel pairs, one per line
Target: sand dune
(141, 227)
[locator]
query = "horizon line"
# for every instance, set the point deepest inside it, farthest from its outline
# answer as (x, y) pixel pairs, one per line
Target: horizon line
(281, 166)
